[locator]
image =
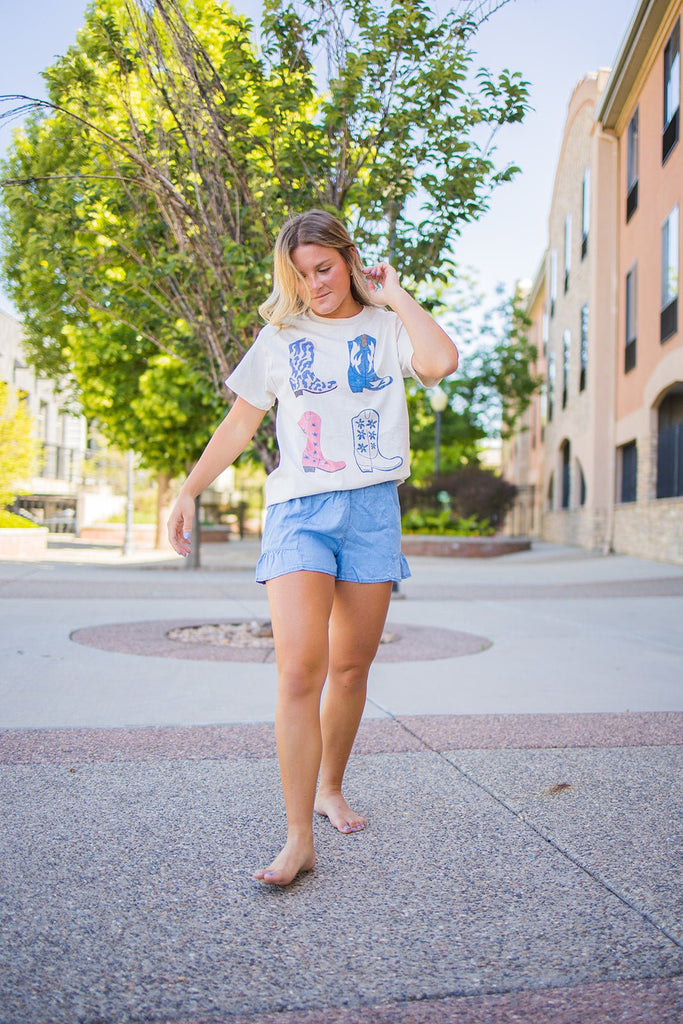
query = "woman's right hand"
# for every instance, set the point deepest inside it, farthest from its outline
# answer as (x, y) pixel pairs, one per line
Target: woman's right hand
(180, 524)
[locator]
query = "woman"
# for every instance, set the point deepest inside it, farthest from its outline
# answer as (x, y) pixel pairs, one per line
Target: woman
(333, 357)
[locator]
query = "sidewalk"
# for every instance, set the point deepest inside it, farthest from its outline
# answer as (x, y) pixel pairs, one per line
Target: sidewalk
(519, 764)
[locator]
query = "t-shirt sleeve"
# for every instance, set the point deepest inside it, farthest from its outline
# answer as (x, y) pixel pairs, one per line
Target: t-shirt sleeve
(405, 354)
(251, 377)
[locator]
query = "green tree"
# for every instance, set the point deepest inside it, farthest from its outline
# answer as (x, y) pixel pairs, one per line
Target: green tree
(405, 121)
(143, 199)
(492, 389)
(19, 449)
(106, 286)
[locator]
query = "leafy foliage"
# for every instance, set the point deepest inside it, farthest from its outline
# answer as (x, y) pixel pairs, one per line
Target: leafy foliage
(19, 450)
(143, 198)
(470, 493)
(11, 521)
(444, 522)
(492, 389)
(498, 378)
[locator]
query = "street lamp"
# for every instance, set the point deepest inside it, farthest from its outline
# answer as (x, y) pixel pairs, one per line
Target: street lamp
(128, 542)
(438, 399)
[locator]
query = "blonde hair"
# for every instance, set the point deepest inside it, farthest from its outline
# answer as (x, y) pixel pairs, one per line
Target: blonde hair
(315, 227)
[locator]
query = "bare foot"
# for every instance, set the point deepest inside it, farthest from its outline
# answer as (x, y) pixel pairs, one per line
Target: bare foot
(295, 857)
(335, 807)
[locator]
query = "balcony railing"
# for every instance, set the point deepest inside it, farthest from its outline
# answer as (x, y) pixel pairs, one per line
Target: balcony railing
(76, 466)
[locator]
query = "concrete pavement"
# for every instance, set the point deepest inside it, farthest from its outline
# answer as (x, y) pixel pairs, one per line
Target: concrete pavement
(519, 763)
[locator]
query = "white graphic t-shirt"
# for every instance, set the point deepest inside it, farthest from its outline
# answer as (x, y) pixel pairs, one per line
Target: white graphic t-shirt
(342, 420)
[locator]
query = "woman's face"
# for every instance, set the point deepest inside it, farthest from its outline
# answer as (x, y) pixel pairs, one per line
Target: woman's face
(328, 278)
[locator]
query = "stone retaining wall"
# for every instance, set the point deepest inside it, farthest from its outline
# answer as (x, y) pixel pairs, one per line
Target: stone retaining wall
(650, 529)
(462, 547)
(24, 542)
(114, 533)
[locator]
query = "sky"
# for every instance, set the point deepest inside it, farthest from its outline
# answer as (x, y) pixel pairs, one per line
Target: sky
(552, 42)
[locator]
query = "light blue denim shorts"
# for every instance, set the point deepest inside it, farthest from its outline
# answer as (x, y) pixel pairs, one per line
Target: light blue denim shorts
(351, 535)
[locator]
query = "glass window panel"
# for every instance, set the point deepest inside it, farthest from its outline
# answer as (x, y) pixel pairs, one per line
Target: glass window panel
(672, 75)
(631, 305)
(632, 152)
(670, 257)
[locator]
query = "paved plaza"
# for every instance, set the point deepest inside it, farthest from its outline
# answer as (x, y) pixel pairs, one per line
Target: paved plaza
(519, 764)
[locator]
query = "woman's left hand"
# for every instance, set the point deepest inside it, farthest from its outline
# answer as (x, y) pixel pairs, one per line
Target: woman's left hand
(383, 281)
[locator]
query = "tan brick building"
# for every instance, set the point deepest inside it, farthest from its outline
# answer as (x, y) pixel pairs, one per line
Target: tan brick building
(613, 404)
(641, 107)
(524, 454)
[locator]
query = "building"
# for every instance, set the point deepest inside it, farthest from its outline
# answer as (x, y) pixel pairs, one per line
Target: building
(523, 455)
(67, 490)
(609, 420)
(580, 341)
(640, 108)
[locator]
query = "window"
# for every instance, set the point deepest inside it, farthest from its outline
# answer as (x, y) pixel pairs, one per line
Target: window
(565, 452)
(545, 325)
(584, 347)
(631, 316)
(551, 385)
(43, 421)
(585, 211)
(582, 484)
(628, 471)
(553, 280)
(668, 320)
(670, 445)
(632, 167)
(672, 90)
(566, 344)
(567, 250)
(17, 370)
(543, 409)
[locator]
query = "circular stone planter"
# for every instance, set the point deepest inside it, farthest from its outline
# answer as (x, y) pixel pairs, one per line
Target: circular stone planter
(452, 546)
(23, 542)
(153, 639)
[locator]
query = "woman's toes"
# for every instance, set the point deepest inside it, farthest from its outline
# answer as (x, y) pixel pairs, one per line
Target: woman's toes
(291, 862)
(339, 814)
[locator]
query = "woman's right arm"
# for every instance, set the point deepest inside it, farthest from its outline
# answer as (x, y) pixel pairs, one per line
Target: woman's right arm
(228, 441)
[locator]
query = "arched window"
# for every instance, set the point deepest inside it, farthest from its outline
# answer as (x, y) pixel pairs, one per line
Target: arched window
(582, 483)
(670, 444)
(565, 452)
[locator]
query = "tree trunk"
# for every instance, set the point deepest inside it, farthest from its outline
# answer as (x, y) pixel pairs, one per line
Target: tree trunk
(164, 502)
(193, 559)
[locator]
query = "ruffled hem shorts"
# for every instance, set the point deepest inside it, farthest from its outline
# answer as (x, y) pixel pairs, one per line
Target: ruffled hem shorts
(352, 535)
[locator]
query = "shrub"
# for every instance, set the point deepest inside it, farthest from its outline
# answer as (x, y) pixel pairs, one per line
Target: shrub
(8, 520)
(468, 494)
(19, 448)
(443, 522)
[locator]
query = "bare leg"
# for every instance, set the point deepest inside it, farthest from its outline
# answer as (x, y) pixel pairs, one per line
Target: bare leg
(358, 615)
(300, 606)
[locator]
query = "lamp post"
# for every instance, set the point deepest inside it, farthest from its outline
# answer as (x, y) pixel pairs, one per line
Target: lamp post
(128, 542)
(438, 399)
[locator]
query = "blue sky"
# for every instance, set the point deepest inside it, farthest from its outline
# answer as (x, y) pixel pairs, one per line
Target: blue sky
(552, 42)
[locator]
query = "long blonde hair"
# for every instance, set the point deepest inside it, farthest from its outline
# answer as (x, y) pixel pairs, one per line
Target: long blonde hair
(315, 227)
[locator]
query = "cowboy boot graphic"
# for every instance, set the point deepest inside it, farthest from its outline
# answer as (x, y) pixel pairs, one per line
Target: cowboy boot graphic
(361, 373)
(365, 428)
(313, 457)
(301, 375)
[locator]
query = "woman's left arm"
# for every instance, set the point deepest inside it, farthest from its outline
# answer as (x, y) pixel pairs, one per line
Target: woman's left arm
(434, 354)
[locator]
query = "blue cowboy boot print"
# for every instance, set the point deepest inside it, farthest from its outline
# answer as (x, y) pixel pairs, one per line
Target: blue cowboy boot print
(301, 374)
(361, 373)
